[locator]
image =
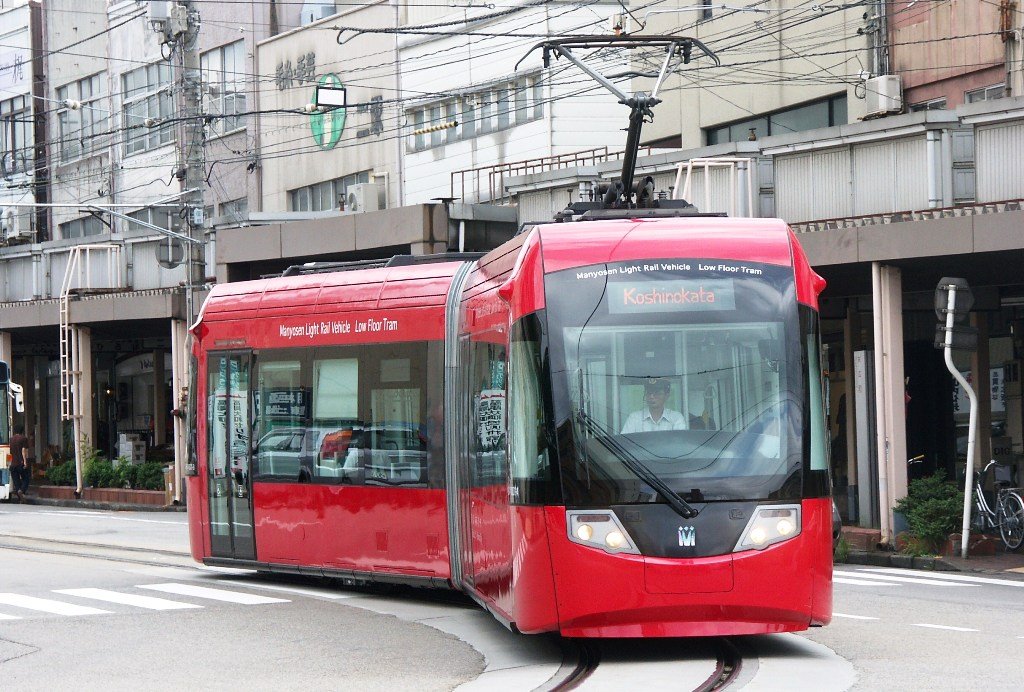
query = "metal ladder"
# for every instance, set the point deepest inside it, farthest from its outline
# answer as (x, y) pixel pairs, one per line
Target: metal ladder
(78, 275)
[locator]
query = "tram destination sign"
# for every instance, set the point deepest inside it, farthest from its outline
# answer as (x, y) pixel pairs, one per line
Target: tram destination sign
(675, 295)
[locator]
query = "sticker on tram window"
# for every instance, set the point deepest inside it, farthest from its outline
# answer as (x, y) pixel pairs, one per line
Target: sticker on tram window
(678, 295)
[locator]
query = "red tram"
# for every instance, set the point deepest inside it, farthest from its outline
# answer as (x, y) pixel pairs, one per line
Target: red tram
(604, 429)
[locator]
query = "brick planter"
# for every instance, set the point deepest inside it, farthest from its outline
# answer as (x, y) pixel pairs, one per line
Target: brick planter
(156, 498)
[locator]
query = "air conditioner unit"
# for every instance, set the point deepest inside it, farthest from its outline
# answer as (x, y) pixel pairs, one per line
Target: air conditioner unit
(315, 11)
(16, 224)
(362, 197)
(883, 95)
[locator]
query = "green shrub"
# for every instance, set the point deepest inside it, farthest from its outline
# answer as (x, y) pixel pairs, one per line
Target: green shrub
(842, 551)
(149, 476)
(934, 509)
(98, 472)
(62, 474)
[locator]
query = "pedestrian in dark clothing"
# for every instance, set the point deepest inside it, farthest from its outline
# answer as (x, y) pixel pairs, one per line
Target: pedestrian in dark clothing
(19, 467)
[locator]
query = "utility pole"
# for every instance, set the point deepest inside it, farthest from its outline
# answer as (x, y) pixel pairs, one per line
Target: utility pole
(178, 23)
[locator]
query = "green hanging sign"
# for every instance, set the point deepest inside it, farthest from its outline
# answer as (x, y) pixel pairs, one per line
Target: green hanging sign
(328, 126)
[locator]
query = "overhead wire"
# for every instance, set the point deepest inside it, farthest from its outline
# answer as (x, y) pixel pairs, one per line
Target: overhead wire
(737, 65)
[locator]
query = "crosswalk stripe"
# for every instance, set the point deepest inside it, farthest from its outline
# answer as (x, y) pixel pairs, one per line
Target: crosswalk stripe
(213, 594)
(862, 582)
(949, 577)
(903, 580)
(48, 606)
(945, 627)
(151, 602)
(9, 617)
(321, 593)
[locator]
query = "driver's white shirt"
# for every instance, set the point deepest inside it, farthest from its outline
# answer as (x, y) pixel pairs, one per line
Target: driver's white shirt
(642, 421)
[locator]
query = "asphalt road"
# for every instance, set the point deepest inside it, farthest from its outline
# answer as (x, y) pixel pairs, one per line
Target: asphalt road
(912, 630)
(893, 630)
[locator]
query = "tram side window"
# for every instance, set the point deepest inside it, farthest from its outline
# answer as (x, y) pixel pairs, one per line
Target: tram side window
(282, 408)
(191, 436)
(487, 379)
(352, 414)
(369, 424)
(530, 452)
(336, 432)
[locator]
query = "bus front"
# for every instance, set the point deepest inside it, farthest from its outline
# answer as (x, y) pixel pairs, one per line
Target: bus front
(5, 432)
(687, 401)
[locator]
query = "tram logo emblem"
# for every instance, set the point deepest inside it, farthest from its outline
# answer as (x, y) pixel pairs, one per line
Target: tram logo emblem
(687, 536)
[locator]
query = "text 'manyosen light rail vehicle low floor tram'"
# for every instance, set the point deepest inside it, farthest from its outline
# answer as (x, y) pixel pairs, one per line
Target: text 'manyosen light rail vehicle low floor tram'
(488, 424)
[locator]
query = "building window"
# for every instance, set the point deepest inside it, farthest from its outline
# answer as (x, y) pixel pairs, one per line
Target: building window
(16, 137)
(161, 217)
(929, 105)
(80, 118)
(492, 108)
(147, 97)
(224, 87)
(989, 93)
(236, 209)
(324, 196)
(79, 228)
(809, 116)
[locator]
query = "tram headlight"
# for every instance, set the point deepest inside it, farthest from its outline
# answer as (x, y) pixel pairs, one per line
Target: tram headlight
(770, 524)
(614, 540)
(599, 529)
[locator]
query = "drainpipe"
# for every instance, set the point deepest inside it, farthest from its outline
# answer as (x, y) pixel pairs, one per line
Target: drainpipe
(947, 168)
(400, 139)
(933, 147)
(882, 445)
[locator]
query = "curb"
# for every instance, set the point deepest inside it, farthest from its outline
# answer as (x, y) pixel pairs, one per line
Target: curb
(93, 504)
(880, 559)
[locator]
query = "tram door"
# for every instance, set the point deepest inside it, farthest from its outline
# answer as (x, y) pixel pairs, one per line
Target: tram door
(229, 427)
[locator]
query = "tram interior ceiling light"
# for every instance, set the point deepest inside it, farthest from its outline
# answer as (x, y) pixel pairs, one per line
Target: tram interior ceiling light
(770, 524)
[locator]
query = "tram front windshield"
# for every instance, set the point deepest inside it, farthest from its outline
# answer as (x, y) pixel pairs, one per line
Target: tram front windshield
(687, 370)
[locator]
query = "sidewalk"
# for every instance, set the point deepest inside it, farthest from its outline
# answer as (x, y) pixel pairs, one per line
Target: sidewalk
(864, 551)
(33, 499)
(862, 542)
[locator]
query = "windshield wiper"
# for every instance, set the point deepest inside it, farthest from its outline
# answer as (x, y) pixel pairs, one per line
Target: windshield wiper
(681, 506)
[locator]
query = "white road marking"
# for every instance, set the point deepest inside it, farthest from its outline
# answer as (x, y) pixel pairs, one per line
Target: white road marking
(903, 580)
(213, 594)
(150, 602)
(944, 627)
(862, 582)
(852, 617)
(100, 515)
(47, 606)
(288, 589)
(15, 617)
(950, 577)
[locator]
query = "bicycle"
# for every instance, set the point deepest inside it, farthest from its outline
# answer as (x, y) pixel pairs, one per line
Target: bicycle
(1008, 515)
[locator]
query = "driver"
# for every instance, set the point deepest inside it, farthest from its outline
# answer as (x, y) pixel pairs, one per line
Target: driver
(654, 416)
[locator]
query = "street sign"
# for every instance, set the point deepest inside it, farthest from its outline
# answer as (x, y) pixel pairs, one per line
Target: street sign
(961, 337)
(964, 298)
(952, 330)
